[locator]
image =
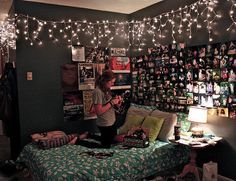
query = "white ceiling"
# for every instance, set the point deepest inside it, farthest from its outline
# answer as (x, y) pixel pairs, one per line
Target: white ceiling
(119, 6)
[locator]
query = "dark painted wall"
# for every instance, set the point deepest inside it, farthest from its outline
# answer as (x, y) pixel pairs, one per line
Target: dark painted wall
(199, 36)
(40, 100)
(225, 152)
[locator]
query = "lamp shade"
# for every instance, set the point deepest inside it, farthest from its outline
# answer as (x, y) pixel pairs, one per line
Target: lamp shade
(197, 114)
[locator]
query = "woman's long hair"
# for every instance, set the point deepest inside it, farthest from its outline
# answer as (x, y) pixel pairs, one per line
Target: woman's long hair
(101, 81)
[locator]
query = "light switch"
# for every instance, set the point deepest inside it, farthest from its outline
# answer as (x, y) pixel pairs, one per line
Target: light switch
(29, 76)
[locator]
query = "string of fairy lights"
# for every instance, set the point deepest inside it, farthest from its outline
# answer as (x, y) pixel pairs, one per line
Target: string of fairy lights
(200, 15)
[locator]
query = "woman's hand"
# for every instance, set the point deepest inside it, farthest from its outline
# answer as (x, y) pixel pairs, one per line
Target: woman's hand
(117, 100)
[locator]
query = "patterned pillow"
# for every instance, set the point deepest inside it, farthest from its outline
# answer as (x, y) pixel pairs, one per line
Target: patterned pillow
(182, 119)
(55, 142)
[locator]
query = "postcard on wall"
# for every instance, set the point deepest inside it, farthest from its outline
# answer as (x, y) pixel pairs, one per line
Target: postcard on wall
(73, 106)
(119, 63)
(78, 53)
(88, 102)
(118, 51)
(86, 76)
(69, 77)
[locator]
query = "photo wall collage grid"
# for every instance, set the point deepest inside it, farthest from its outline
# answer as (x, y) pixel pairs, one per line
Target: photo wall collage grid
(174, 77)
(78, 78)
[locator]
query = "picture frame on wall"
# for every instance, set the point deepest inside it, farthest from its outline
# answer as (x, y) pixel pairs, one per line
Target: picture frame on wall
(78, 53)
(86, 74)
(116, 52)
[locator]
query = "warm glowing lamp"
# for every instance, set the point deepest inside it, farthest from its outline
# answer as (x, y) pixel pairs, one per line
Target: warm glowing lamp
(198, 115)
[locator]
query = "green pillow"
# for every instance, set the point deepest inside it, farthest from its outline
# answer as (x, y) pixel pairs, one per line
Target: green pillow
(154, 125)
(130, 122)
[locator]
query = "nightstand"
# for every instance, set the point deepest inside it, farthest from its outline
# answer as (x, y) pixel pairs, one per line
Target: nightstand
(194, 144)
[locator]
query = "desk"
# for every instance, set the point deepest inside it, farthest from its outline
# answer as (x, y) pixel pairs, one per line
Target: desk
(194, 144)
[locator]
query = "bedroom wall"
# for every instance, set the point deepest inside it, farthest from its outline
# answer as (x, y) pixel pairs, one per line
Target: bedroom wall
(40, 100)
(225, 152)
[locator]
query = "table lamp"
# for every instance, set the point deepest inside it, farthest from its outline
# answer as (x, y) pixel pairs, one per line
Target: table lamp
(198, 115)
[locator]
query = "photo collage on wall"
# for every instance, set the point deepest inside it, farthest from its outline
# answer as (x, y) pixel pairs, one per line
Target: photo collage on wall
(173, 77)
(79, 76)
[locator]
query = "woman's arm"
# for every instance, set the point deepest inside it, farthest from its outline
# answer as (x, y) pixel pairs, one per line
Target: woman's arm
(100, 109)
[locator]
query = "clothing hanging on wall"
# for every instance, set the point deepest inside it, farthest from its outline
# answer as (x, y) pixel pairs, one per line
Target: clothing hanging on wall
(8, 96)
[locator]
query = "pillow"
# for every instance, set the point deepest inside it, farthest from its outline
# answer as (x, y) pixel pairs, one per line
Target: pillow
(151, 108)
(182, 119)
(55, 142)
(138, 111)
(130, 121)
(167, 130)
(47, 135)
(154, 125)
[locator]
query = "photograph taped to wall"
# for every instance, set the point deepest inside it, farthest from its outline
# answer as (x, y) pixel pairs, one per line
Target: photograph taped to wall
(123, 80)
(212, 111)
(73, 106)
(88, 103)
(78, 53)
(118, 52)
(222, 111)
(119, 63)
(86, 76)
(69, 77)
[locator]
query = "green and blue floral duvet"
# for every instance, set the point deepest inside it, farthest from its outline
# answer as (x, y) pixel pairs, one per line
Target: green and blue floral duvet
(75, 162)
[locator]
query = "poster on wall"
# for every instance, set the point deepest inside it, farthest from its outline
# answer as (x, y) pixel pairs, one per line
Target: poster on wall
(78, 53)
(69, 77)
(119, 63)
(96, 55)
(123, 80)
(73, 106)
(86, 74)
(88, 102)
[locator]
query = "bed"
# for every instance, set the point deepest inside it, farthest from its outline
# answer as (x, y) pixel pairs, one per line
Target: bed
(76, 162)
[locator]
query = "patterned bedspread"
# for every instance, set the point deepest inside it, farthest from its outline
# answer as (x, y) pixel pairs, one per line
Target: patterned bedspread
(75, 162)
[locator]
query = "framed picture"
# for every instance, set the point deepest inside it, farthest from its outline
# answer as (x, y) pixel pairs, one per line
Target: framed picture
(118, 51)
(86, 76)
(123, 80)
(69, 77)
(78, 53)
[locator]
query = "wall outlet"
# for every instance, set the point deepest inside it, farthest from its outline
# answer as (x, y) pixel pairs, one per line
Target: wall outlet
(29, 75)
